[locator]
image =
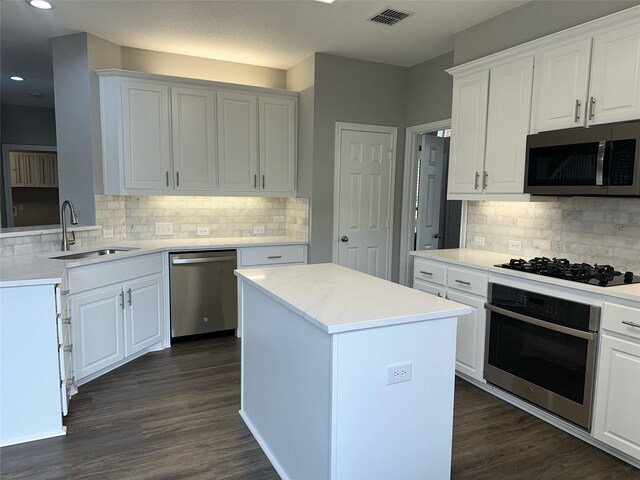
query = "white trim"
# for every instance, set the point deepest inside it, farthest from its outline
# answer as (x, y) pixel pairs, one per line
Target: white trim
(357, 127)
(263, 445)
(409, 195)
(32, 438)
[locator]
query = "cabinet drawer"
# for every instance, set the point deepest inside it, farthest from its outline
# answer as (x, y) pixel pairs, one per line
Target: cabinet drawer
(468, 281)
(255, 256)
(116, 271)
(429, 288)
(429, 271)
(615, 314)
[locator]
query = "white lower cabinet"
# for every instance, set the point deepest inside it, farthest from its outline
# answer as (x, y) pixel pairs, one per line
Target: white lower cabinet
(97, 330)
(616, 417)
(143, 313)
(466, 286)
(117, 311)
(471, 335)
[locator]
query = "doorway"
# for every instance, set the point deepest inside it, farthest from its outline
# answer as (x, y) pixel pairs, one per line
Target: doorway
(429, 220)
(363, 197)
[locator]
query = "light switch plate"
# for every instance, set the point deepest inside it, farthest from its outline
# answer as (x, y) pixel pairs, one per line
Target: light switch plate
(164, 228)
(202, 231)
(107, 233)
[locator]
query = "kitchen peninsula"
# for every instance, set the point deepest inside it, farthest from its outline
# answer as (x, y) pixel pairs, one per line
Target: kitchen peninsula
(345, 375)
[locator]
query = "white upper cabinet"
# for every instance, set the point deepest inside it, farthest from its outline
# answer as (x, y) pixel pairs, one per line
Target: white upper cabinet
(277, 144)
(562, 85)
(237, 141)
(146, 135)
(468, 132)
(615, 76)
(168, 136)
(590, 81)
(508, 126)
(489, 126)
(194, 153)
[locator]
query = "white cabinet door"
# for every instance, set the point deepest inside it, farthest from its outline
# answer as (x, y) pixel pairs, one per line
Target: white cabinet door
(237, 141)
(508, 126)
(97, 330)
(144, 317)
(615, 76)
(193, 127)
(146, 135)
(471, 334)
(563, 80)
(277, 133)
(617, 416)
(468, 132)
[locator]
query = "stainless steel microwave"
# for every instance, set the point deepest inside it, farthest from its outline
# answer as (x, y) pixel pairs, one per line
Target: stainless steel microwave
(600, 160)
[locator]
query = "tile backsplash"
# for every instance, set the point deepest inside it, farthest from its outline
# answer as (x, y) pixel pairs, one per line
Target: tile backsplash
(592, 230)
(134, 218)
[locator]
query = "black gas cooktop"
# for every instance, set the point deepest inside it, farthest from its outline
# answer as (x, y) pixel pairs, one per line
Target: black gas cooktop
(601, 275)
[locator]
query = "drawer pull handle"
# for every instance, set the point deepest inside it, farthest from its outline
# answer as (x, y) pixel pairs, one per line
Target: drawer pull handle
(271, 257)
(463, 282)
(631, 324)
(426, 273)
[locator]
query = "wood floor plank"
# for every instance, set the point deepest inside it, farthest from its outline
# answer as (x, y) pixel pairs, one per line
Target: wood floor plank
(174, 415)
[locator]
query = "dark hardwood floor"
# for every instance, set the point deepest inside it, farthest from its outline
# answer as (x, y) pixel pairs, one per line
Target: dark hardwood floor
(174, 414)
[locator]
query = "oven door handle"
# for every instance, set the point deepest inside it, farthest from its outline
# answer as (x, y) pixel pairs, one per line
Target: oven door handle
(541, 323)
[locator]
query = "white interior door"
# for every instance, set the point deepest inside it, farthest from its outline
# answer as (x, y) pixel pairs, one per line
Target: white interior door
(429, 192)
(364, 201)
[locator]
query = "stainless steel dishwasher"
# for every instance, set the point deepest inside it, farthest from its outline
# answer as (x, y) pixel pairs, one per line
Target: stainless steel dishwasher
(204, 295)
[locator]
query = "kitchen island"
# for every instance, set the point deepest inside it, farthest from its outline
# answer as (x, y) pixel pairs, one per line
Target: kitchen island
(345, 375)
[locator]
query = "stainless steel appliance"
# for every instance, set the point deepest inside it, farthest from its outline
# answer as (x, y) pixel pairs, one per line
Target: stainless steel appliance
(542, 349)
(600, 160)
(204, 294)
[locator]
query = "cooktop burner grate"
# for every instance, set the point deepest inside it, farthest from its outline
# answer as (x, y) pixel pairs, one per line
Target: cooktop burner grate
(601, 275)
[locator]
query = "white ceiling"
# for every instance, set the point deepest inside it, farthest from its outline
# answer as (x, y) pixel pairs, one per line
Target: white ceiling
(269, 33)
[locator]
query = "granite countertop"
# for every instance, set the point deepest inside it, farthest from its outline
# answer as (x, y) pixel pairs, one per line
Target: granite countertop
(485, 260)
(41, 269)
(337, 299)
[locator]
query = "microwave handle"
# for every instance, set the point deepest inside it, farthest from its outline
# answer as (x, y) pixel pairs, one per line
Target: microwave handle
(600, 163)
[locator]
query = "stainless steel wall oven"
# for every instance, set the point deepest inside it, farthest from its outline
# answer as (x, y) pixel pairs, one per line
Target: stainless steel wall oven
(542, 349)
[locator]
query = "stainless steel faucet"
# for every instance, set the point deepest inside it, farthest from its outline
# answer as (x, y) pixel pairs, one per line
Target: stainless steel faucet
(66, 243)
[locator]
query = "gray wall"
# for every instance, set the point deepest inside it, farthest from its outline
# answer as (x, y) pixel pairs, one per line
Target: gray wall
(530, 21)
(301, 78)
(348, 90)
(73, 122)
(429, 91)
(23, 125)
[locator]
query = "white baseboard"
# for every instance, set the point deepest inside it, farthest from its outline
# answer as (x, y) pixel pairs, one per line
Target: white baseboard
(31, 438)
(263, 445)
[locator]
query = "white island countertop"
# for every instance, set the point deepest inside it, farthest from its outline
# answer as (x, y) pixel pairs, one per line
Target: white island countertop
(337, 299)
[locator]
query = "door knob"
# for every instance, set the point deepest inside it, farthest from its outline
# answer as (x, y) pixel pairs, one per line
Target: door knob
(437, 235)
(344, 238)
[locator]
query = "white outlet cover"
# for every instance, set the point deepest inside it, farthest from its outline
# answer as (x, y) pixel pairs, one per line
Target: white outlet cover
(398, 373)
(202, 231)
(164, 228)
(258, 229)
(107, 233)
(515, 246)
(478, 241)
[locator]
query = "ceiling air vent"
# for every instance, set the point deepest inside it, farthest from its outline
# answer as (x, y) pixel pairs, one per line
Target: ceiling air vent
(390, 16)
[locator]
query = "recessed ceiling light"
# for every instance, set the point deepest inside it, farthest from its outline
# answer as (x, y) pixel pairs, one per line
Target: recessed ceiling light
(16, 78)
(41, 4)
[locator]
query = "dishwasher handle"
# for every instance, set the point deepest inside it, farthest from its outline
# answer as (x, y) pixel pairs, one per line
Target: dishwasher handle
(190, 261)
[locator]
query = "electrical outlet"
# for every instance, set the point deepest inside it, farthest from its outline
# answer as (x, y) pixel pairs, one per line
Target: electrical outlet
(202, 231)
(515, 246)
(257, 229)
(107, 233)
(478, 241)
(164, 228)
(398, 373)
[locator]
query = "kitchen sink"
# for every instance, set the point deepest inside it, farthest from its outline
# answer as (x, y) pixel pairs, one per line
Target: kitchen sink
(92, 253)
